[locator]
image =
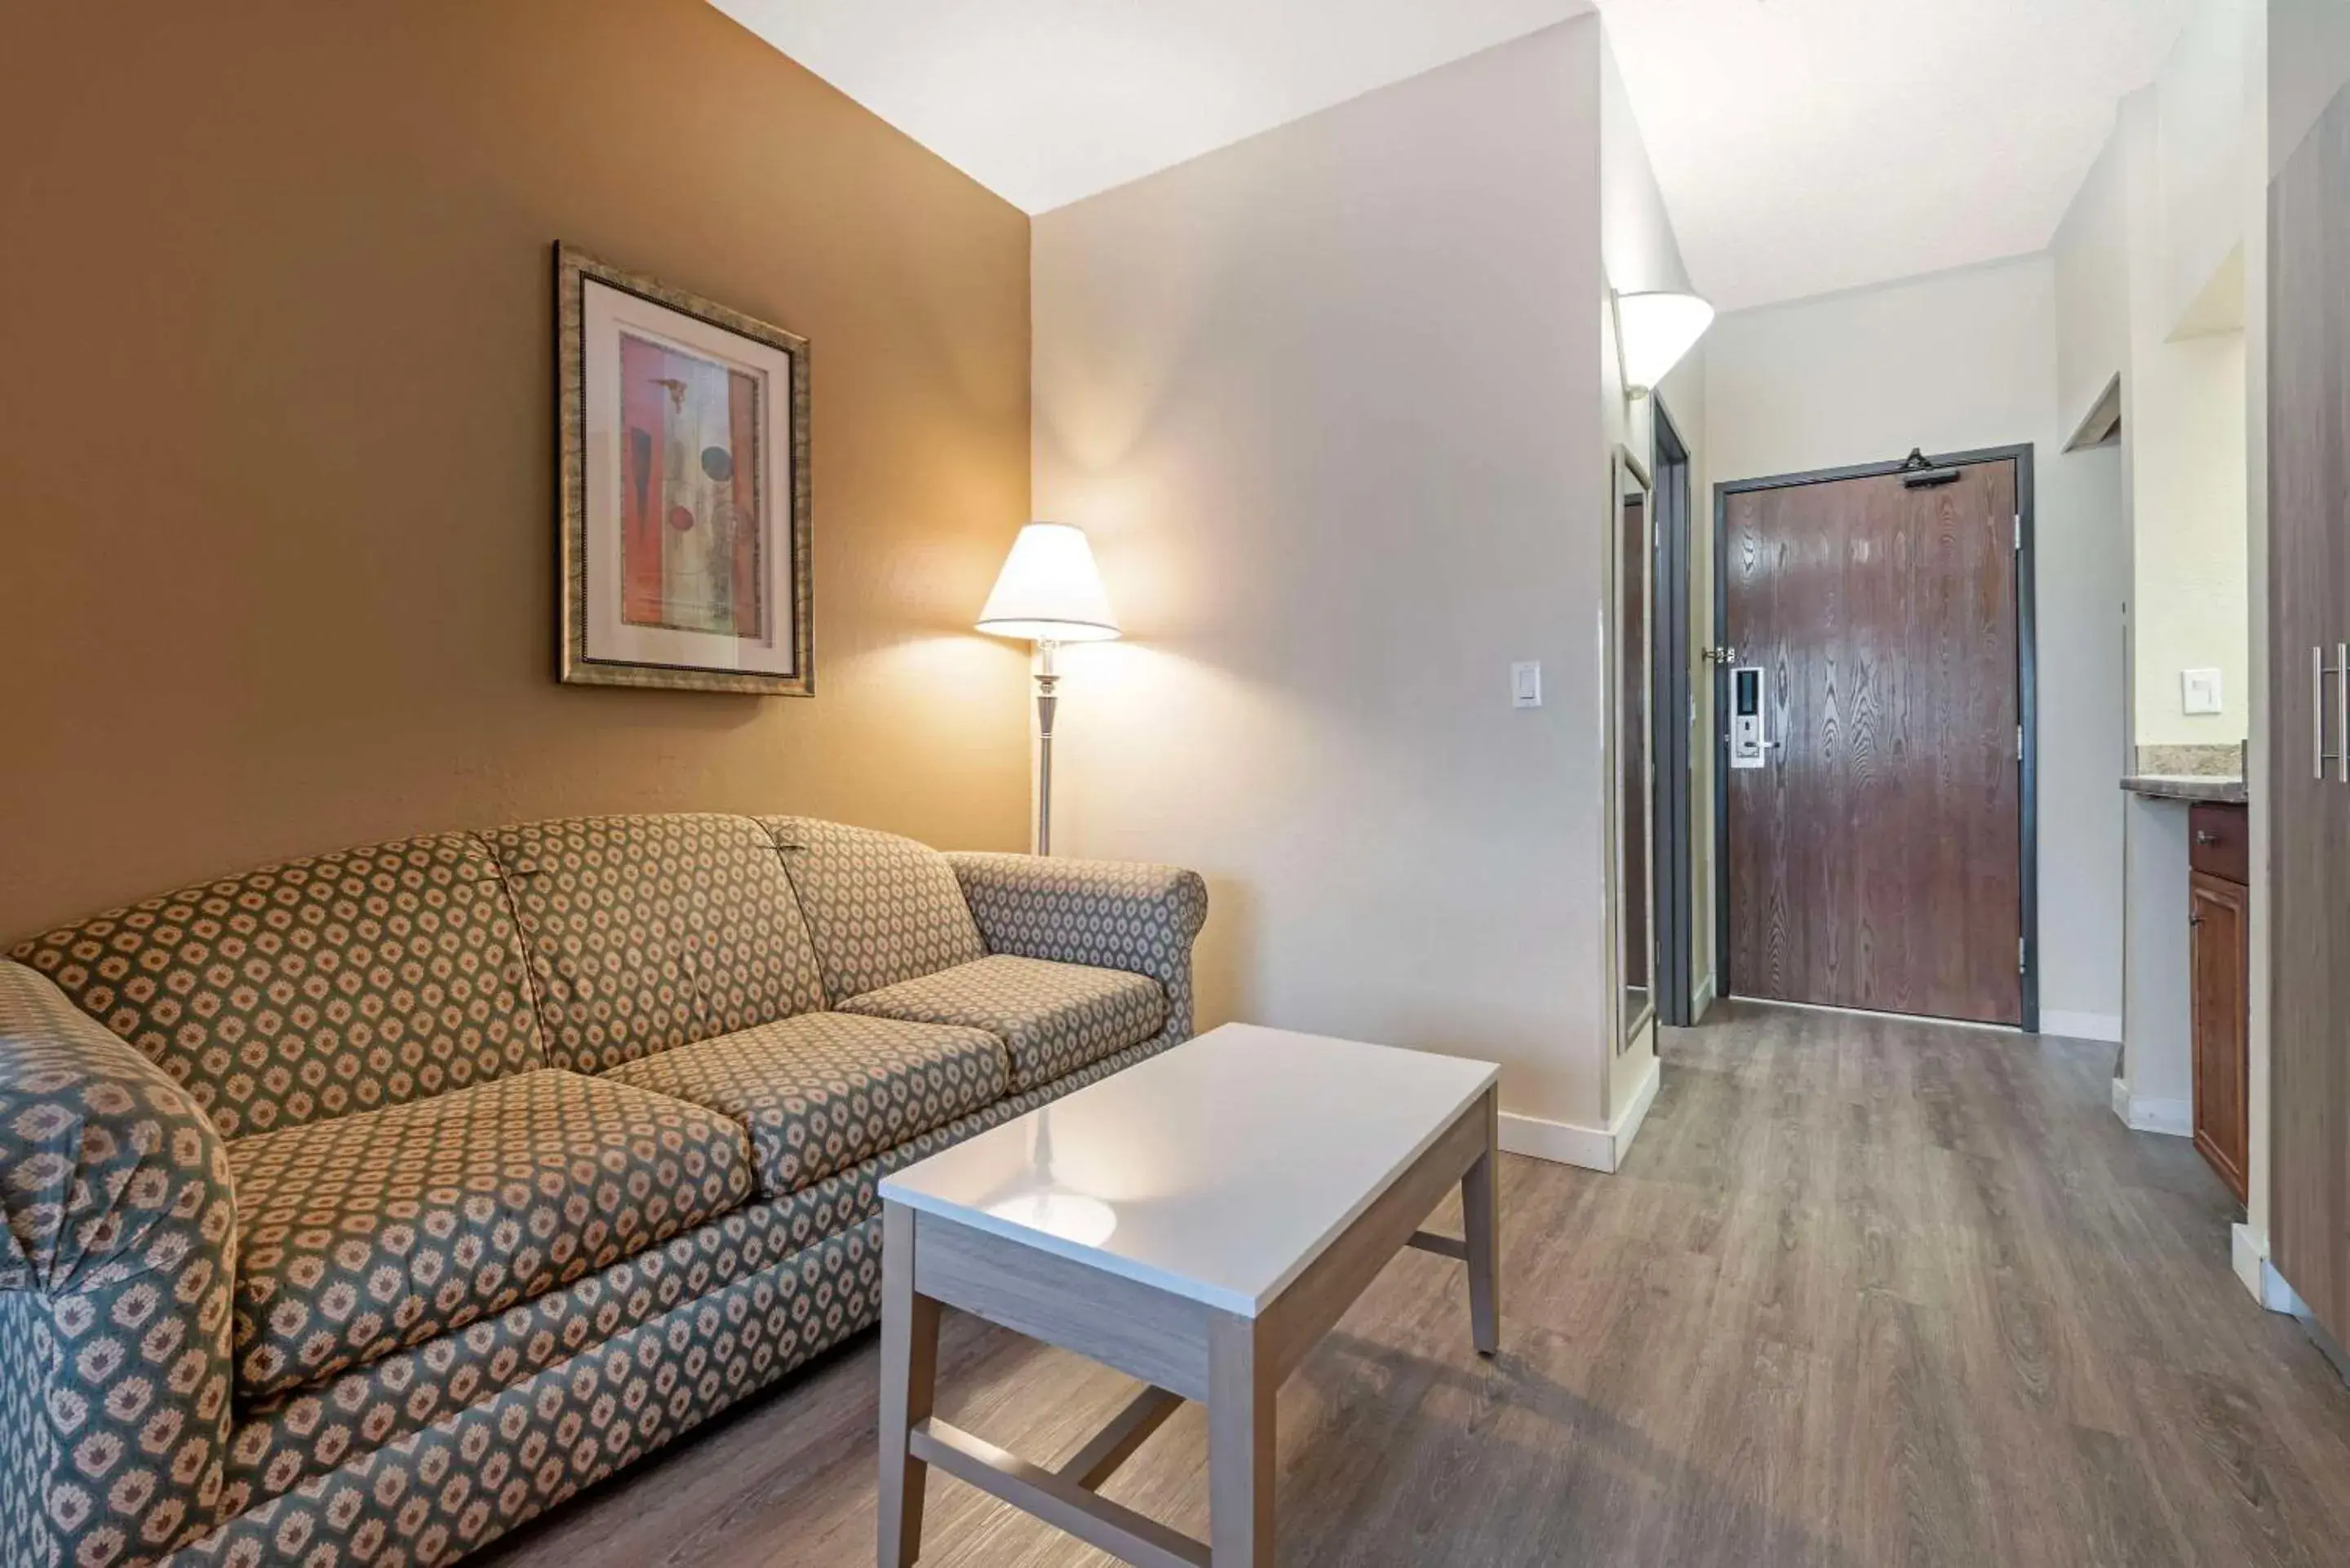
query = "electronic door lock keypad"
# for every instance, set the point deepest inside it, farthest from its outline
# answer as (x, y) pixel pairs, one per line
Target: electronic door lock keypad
(1749, 724)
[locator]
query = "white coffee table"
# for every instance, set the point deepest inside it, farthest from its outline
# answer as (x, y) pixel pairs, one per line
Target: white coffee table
(1196, 1221)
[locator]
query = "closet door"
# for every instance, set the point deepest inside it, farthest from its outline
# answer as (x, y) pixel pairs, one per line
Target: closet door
(2308, 720)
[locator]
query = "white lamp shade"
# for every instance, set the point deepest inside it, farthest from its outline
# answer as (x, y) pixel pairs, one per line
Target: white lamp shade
(1653, 332)
(1049, 589)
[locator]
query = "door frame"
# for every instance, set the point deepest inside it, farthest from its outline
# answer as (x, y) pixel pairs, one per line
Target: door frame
(2027, 679)
(1672, 742)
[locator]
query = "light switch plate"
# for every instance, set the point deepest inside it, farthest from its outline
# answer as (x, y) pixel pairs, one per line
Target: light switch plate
(1525, 684)
(2200, 691)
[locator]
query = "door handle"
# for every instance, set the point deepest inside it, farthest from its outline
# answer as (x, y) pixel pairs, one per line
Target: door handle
(2341, 709)
(2319, 755)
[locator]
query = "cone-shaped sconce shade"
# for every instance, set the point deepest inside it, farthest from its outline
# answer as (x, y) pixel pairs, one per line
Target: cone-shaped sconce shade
(1654, 330)
(1049, 591)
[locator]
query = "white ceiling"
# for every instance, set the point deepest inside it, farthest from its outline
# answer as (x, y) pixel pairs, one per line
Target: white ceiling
(1803, 145)
(1044, 101)
(1810, 145)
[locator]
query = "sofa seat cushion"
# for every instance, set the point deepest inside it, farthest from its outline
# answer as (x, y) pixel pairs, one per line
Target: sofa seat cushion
(820, 1091)
(362, 1235)
(1052, 1018)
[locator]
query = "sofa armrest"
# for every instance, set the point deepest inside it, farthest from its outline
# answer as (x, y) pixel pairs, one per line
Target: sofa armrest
(1115, 914)
(117, 1260)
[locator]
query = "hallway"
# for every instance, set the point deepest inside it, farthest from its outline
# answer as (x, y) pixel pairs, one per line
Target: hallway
(1867, 1292)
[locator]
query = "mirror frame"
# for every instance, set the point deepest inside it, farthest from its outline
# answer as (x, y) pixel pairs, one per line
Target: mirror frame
(1630, 478)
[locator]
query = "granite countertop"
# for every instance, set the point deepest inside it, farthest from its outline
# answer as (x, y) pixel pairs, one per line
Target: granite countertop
(2173, 787)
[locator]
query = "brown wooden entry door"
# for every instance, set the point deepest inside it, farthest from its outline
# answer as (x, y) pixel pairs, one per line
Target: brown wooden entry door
(1874, 860)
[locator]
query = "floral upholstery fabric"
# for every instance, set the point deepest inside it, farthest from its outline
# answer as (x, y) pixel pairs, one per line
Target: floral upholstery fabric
(362, 1235)
(1113, 913)
(115, 1267)
(1052, 1018)
(822, 1091)
(315, 988)
(645, 932)
(335, 1428)
(881, 908)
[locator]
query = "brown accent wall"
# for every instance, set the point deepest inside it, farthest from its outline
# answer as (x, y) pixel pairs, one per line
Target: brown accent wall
(276, 495)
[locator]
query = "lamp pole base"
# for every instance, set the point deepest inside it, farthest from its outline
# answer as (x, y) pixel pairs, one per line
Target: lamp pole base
(1046, 702)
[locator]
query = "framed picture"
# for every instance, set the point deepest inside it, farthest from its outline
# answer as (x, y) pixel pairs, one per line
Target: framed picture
(683, 489)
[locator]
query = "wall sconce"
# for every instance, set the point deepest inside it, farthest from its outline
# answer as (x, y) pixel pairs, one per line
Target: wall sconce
(1653, 332)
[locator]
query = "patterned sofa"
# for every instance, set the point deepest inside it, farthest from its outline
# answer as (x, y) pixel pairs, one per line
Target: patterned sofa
(364, 1206)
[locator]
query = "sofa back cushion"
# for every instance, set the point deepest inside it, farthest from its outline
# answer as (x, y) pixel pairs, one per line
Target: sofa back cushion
(646, 932)
(317, 989)
(881, 908)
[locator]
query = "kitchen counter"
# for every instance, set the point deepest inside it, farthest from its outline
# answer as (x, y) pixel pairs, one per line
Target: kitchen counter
(2166, 786)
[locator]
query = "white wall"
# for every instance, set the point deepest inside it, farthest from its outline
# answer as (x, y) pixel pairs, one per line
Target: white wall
(2183, 419)
(2156, 1085)
(2162, 270)
(2091, 252)
(2204, 148)
(1636, 242)
(2186, 436)
(2160, 262)
(1961, 360)
(1324, 400)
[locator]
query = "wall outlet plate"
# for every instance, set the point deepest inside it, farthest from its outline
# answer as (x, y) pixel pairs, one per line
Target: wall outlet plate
(2199, 692)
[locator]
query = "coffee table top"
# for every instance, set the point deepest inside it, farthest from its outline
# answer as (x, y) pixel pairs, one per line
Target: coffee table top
(1217, 1170)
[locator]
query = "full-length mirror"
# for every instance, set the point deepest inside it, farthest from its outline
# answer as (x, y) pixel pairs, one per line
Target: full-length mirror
(1634, 579)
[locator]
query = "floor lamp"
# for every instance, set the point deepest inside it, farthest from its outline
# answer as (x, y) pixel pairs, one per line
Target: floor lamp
(1049, 593)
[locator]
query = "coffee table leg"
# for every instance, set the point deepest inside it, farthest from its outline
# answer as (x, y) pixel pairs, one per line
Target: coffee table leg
(1241, 1388)
(909, 1375)
(1479, 1204)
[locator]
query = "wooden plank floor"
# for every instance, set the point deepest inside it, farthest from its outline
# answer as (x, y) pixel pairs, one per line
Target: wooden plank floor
(1867, 1292)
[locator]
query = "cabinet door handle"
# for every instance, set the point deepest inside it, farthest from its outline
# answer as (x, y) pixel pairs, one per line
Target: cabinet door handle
(2341, 709)
(2207, 838)
(2319, 755)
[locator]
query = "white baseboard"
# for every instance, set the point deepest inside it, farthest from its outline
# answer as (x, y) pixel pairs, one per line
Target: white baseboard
(2249, 1251)
(2104, 1027)
(1570, 1143)
(1627, 1126)
(2174, 1118)
(1560, 1143)
(2246, 1252)
(1703, 1002)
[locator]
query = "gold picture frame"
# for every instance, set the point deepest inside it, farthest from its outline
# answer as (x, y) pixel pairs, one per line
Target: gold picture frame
(682, 521)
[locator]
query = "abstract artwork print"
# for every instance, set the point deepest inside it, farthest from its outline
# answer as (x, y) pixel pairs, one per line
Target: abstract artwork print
(690, 469)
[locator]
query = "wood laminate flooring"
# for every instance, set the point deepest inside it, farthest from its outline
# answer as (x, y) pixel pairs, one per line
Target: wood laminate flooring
(1867, 1292)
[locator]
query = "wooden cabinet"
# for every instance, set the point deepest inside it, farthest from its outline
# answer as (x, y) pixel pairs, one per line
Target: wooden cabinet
(2308, 785)
(2219, 842)
(2221, 961)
